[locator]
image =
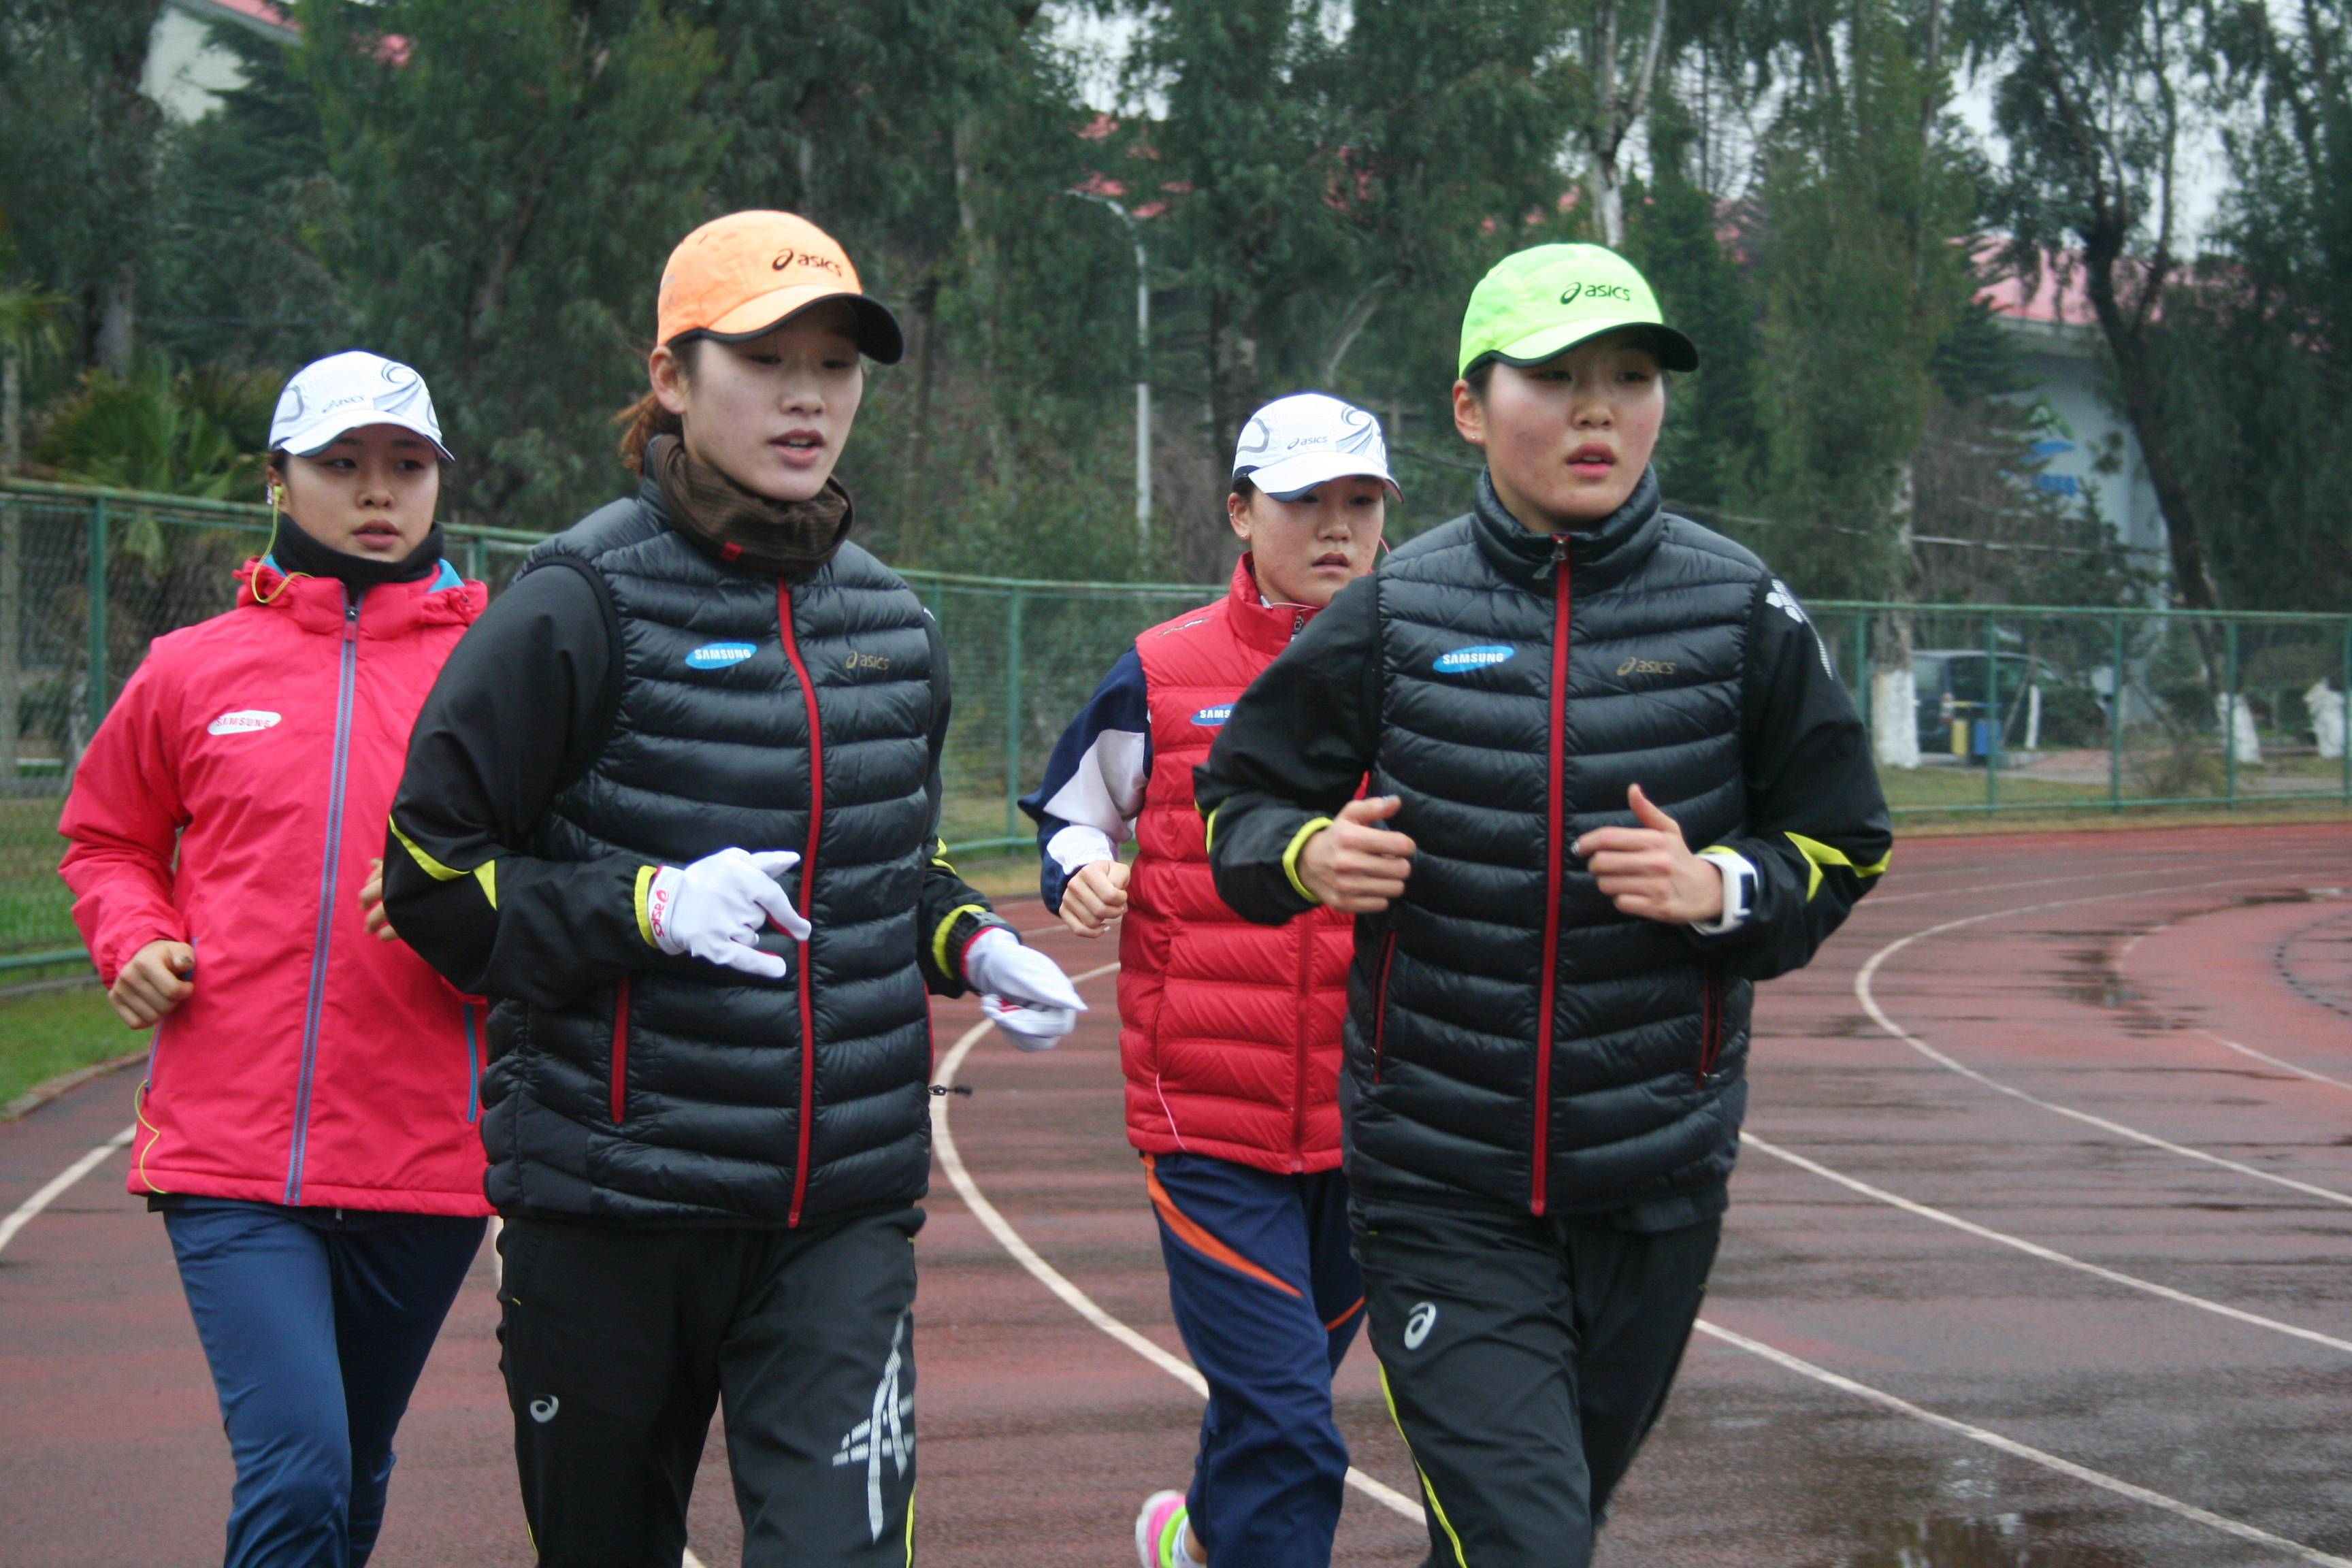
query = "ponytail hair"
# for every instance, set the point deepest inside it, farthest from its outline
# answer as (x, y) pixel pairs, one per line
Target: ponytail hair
(646, 419)
(640, 422)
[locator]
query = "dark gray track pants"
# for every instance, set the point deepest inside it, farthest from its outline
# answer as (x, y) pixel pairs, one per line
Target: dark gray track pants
(619, 1340)
(1523, 1360)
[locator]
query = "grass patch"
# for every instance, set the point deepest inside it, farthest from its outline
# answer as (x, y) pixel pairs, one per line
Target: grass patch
(36, 909)
(51, 1031)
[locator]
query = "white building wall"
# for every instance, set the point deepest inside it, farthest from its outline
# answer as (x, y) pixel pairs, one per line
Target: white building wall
(2084, 428)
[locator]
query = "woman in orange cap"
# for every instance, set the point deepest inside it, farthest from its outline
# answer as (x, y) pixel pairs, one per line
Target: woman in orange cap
(674, 805)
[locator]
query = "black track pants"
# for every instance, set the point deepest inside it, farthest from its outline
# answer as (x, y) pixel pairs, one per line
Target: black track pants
(619, 1340)
(1523, 1361)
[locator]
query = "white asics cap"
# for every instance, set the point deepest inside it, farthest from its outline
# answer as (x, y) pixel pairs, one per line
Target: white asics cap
(343, 392)
(1296, 443)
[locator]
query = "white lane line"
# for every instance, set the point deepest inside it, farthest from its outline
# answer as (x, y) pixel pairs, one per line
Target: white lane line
(1862, 990)
(2035, 1250)
(2265, 1056)
(23, 1213)
(2011, 1446)
(1084, 1305)
(1077, 1300)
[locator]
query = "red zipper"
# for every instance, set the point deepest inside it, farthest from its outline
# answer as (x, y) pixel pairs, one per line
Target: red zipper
(1380, 1004)
(620, 1050)
(1711, 1025)
(1554, 820)
(808, 886)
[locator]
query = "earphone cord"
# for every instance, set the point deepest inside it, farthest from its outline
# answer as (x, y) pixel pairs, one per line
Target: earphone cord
(270, 550)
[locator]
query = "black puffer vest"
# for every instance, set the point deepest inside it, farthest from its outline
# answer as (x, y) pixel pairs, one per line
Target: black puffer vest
(1512, 1037)
(691, 1093)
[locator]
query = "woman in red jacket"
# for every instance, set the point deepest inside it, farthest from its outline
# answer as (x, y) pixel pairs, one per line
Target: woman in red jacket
(306, 1125)
(1230, 1032)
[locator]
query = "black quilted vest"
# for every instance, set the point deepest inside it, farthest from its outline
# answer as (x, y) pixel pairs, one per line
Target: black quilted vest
(691, 1093)
(1511, 1037)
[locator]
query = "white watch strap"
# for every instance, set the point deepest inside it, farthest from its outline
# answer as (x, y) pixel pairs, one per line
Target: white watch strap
(1739, 875)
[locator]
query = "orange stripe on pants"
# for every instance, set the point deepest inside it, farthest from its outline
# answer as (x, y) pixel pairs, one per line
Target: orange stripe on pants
(1193, 1235)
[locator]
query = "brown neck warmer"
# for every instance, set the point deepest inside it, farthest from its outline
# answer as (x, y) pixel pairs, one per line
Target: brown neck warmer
(775, 537)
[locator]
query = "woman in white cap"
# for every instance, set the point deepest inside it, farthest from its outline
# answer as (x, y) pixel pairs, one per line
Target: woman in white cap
(306, 1123)
(1229, 1031)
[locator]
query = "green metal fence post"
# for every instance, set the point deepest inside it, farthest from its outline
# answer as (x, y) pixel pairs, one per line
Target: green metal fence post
(1993, 714)
(95, 617)
(2116, 723)
(2230, 714)
(1012, 719)
(1861, 677)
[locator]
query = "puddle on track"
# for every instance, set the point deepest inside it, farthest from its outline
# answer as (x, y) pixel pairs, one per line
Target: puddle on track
(1960, 1540)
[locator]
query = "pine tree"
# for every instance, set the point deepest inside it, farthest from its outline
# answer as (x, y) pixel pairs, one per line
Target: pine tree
(510, 179)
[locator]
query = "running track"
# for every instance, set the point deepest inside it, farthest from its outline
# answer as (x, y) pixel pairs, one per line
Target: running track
(2110, 1075)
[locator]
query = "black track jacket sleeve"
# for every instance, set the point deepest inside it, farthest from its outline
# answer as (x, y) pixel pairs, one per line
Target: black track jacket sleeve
(1308, 729)
(1817, 831)
(1299, 743)
(519, 710)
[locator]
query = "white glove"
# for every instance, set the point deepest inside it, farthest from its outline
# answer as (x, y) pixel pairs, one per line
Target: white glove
(716, 909)
(1022, 990)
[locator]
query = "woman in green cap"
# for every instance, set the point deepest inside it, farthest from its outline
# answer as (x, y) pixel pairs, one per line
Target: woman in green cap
(1614, 782)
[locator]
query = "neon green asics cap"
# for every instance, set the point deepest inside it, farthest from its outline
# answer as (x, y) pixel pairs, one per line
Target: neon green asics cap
(1541, 301)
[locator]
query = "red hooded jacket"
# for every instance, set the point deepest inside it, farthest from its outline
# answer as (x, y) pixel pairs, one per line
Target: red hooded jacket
(1230, 1031)
(232, 800)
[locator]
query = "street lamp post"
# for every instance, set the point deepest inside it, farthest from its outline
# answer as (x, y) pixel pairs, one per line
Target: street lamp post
(1142, 368)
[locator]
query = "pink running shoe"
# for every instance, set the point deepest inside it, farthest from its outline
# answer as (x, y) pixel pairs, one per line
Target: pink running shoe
(1159, 1532)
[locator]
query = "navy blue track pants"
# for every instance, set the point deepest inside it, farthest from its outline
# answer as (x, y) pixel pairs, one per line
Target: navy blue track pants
(317, 1323)
(1268, 1297)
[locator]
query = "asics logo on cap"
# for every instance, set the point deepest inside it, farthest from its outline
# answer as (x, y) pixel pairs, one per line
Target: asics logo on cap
(1575, 292)
(1358, 432)
(786, 259)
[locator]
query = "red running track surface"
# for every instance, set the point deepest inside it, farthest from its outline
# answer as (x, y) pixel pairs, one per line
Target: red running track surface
(2123, 975)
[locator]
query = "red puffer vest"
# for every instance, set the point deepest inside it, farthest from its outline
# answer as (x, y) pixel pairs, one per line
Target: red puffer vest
(1230, 1032)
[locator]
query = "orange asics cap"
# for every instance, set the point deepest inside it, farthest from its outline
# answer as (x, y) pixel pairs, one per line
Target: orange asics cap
(740, 276)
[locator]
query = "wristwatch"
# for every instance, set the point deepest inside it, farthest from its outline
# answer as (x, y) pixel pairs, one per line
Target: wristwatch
(1739, 890)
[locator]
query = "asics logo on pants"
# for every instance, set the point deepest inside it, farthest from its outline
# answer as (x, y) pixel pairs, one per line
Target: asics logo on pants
(543, 1410)
(882, 1435)
(1418, 1322)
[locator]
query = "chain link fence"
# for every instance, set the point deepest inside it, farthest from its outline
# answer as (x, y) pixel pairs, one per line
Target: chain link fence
(1995, 710)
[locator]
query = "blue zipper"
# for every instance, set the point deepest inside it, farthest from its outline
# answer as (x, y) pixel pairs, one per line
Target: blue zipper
(473, 1069)
(318, 1003)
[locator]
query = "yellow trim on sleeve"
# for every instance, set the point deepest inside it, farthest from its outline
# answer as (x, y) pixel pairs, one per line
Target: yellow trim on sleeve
(487, 874)
(939, 937)
(431, 868)
(1818, 855)
(1209, 829)
(939, 858)
(1290, 855)
(1427, 1490)
(644, 917)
